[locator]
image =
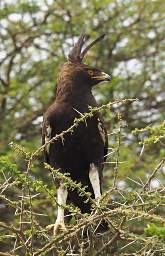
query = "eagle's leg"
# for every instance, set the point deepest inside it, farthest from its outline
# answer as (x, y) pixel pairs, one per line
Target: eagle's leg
(62, 194)
(95, 181)
(96, 185)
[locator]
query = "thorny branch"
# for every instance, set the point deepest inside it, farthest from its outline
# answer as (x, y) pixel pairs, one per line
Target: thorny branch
(154, 173)
(117, 214)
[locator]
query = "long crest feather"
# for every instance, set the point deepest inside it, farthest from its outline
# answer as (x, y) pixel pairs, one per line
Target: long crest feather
(76, 54)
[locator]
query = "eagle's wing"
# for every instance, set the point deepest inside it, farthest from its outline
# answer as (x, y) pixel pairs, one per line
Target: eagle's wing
(46, 136)
(104, 135)
(96, 169)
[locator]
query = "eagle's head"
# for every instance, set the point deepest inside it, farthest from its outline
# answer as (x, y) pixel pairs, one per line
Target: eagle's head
(78, 74)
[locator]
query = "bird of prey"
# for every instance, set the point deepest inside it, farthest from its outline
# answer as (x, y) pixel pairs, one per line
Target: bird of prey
(82, 153)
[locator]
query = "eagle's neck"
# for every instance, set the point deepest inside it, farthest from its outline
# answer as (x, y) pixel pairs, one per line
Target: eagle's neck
(68, 92)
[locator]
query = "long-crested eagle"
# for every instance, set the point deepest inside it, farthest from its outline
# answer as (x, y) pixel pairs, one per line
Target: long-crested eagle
(82, 153)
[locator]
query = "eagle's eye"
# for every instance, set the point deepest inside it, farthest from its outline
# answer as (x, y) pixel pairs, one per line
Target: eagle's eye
(91, 72)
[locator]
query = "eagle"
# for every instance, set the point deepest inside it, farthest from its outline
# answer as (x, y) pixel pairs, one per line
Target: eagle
(81, 153)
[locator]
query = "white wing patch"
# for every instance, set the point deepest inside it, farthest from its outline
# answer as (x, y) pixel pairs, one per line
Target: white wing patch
(101, 130)
(48, 137)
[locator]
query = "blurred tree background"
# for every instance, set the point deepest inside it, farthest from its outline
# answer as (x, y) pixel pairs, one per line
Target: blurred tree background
(35, 37)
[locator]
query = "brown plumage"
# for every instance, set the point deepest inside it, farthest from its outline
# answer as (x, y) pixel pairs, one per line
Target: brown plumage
(81, 153)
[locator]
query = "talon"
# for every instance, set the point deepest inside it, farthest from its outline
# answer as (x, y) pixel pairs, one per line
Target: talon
(96, 209)
(50, 227)
(57, 227)
(98, 202)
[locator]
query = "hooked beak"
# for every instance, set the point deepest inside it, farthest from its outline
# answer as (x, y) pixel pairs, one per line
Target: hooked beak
(103, 77)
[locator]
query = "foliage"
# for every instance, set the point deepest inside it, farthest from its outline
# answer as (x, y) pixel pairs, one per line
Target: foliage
(153, 229)
(35, 37)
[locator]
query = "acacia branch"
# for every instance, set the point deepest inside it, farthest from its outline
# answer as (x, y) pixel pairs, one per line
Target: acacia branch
(153, 174)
